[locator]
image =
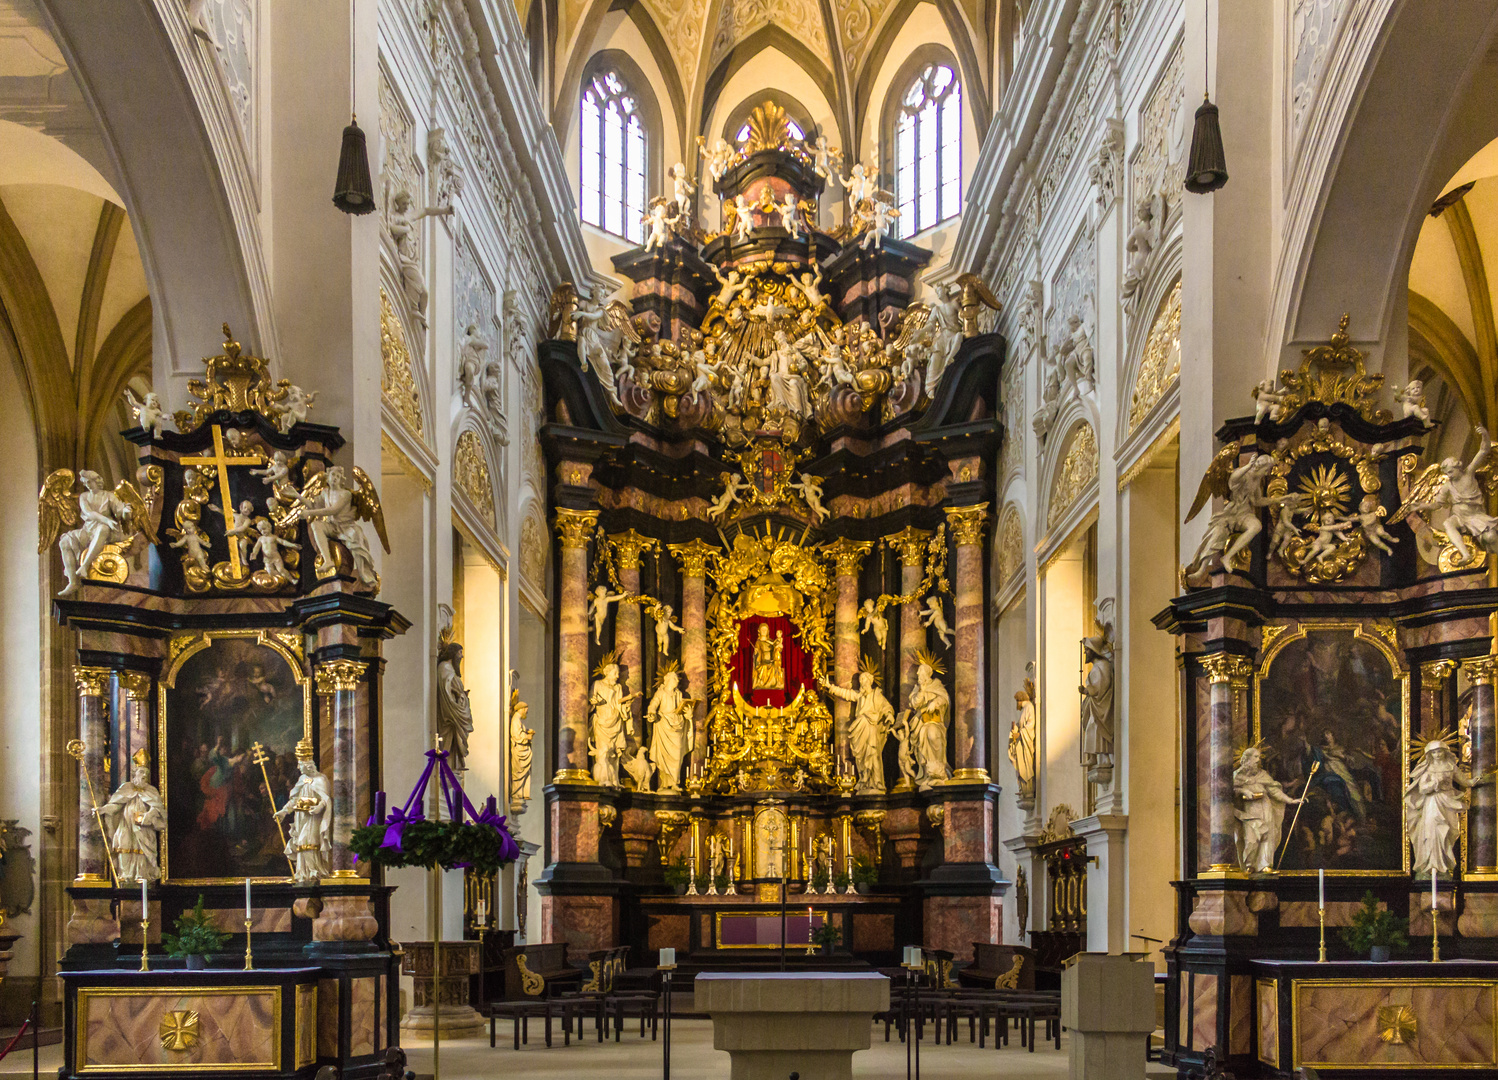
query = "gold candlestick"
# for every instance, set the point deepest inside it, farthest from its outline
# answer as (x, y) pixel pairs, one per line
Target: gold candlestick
(1321, 913)
(248, 964)
(1435, 934)
(145, 963)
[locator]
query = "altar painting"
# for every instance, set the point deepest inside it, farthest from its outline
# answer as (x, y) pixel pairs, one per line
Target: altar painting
(219, 701)
(1331, 716)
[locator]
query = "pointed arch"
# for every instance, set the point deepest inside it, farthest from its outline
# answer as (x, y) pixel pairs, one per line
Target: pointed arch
(769, 36)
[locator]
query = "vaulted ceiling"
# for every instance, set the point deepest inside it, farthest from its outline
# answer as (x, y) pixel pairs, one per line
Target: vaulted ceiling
(699, 44)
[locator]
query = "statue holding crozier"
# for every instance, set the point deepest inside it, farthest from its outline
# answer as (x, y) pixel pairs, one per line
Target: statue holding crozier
(309, 846)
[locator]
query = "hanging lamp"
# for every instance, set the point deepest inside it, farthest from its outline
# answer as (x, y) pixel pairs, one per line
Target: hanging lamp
(353, 193)
(1207, 166)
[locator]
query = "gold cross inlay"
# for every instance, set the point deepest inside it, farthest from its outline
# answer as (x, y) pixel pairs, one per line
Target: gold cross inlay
(219, 461)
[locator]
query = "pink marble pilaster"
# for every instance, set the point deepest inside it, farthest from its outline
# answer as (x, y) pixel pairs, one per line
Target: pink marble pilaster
(910, 542)
(693, 560)
(849, 557)
(574, 530)
(1228, 676)
(338, 683)
(92, 684)
(628, 547)
(1482, 815)
(969, 707)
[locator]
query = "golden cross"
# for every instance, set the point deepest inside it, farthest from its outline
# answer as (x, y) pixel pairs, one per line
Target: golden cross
(220, 460)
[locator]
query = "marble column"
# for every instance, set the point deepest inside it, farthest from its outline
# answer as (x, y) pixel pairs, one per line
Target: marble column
(135, 727)
(338, 683)
(628, 546)
(1435, 678)
(848, 555)
(693, 560)
(1482, 815)
(574, 530)
(1228, 675)
(93, 739)
(970, 672)
(910, 542)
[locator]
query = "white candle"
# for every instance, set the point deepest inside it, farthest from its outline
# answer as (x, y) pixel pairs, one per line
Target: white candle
(1432, 892)
(247, 914)
(144, 911)
(668, 958)
(1321, 887)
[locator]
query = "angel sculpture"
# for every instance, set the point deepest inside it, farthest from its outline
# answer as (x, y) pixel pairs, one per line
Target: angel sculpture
(790, 216)
(735, 488)
(743, 224)
(97, 518)
(149, 413)
(191, 542)
(1370, 519)
(1330, 532)
(1268, 402)
(659, 220)
(268, 547)
(404, 233)
(876, 216)
(682, 190)
(1453, 490)
(334, 511)
(826, 159)
(472, 350)
(665, 626)
(872, 619)
(1411, 399)
(1143, 238)
(718, 158)
(933, 617)
(810, 490)
(861, 184)
(599, 601)
(240, 530)
(606, 337)
(1234, 527)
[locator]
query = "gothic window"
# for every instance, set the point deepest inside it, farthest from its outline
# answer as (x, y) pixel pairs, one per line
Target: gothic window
(928, 150)
(614, 149)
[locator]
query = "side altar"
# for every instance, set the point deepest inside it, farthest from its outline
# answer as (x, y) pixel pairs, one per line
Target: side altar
(773, 479)
(1336, 641)
(228, 672)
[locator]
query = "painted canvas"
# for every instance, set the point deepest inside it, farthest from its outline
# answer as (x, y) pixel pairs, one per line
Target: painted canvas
(226, 698)
(1330, 717)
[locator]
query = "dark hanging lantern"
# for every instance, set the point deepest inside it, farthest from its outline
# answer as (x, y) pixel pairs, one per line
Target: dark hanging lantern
(1207, 168)
(353, 194)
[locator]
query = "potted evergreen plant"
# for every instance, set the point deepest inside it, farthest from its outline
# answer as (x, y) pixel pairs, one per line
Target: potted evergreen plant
(865, 874)
(196, 938)
(676, 875)
(840, 882)
(818, 881)
(1375, 930)
(826, 936)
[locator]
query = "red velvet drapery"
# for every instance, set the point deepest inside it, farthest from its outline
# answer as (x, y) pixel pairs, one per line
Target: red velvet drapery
(795, 660)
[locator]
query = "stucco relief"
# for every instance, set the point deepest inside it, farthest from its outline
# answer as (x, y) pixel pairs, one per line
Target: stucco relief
(1160, 363)
(1077, 473)
(471, 474)
(802, 19)
(1164, 129)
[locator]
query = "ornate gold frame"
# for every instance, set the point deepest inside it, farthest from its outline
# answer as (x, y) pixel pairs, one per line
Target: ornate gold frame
(88, 993)
(286, 642)
(1382, 638)
(1406, 984)
(718, 927)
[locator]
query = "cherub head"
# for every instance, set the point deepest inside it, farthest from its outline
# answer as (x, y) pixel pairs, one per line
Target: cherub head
(1328, 518)
(263, 527)
(679, 170)
(246, 507)
(1413, 390)
(806, 278)
(601, 591)
(1369, 504)
(1451, 466)
(858, 170)
(152, 399)
(868, 605)
(733, 277)
(401, 201)
(667, 611)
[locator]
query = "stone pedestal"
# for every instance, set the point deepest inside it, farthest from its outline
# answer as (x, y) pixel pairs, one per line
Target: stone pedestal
(1108, 1007)
(460, 961)
(774, 1024)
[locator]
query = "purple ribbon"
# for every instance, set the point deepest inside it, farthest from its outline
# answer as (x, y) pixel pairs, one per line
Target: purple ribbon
(457, 802)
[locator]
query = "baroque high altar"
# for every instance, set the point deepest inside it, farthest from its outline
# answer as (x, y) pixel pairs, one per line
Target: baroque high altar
(772, 485)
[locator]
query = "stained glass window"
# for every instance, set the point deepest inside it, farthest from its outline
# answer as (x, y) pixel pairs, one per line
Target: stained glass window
(613, 157)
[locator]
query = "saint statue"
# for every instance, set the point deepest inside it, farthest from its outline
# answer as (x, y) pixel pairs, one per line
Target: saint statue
(1022, 743)
(929, 713)
(139, 815)
(670, 711)
(309, 843)
(520, 749)
(454, 716)
(1097, 693)
(1433, 809)
(768, 672)
(610, 719)
(868, 728)
(1260, 812)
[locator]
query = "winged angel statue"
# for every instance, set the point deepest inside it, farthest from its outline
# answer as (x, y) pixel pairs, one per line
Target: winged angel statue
(931, 333)
(95, 519)
(1231, 529)
(333, 511)
(606, 338)
(1451, 494)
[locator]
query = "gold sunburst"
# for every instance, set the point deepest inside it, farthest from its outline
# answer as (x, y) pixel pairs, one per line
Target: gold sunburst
(925, 656)
(1328, 489)
(869, 666)
(610, 657)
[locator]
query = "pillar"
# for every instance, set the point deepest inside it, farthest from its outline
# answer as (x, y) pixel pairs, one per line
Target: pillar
(693, 560)
(970, 671)
(910, 542)
(338, 682)
(628, 547)
(574, 529)
(848, 555)
(93, 736)
(1220, 910)
(1482, 816)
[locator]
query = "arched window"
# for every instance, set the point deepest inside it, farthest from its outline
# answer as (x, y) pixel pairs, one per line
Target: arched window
(613, 157)
(928, 150)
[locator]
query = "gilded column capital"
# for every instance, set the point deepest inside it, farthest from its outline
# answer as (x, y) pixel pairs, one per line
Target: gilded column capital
(629, 546)
(136, 684)
(335, 675)
(848, 554)
(910, 542)
(575, 527)
(1228, 668)
(1435, 673)
(91, 681)
(1481, 669)
(967, 522)
(692, 557)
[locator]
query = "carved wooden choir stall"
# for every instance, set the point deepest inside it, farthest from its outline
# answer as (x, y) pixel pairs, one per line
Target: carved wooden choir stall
(773, 482)
(228, 673)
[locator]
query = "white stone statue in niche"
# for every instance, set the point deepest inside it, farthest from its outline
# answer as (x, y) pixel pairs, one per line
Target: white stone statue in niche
(1459, 504)
(402, 224)
(521, 737)
(454, 714)
(1433, 808)
(1097, 696)
(1022, 741)
(135, 815)
(1260, 812)
(472, 353)
(309, 843)
(670, 717)
(929, 714)
(868, 728)
(610, 720)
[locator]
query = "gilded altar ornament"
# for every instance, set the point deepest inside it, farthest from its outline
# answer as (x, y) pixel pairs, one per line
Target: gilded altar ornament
(1097, 692)
(101, 525)
(178, 1030)
(1447, 509)
(672, 823)
(1397, 1025)
(335, 512)
(1433, 809)
(309, 845)
(869, 726)
(454, 714)
(237, 382)
(1022, 741)
(608, 721)
(521, 737)
(135, 815)
(1231, 529)
(1334, 373)
(1260, 811)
